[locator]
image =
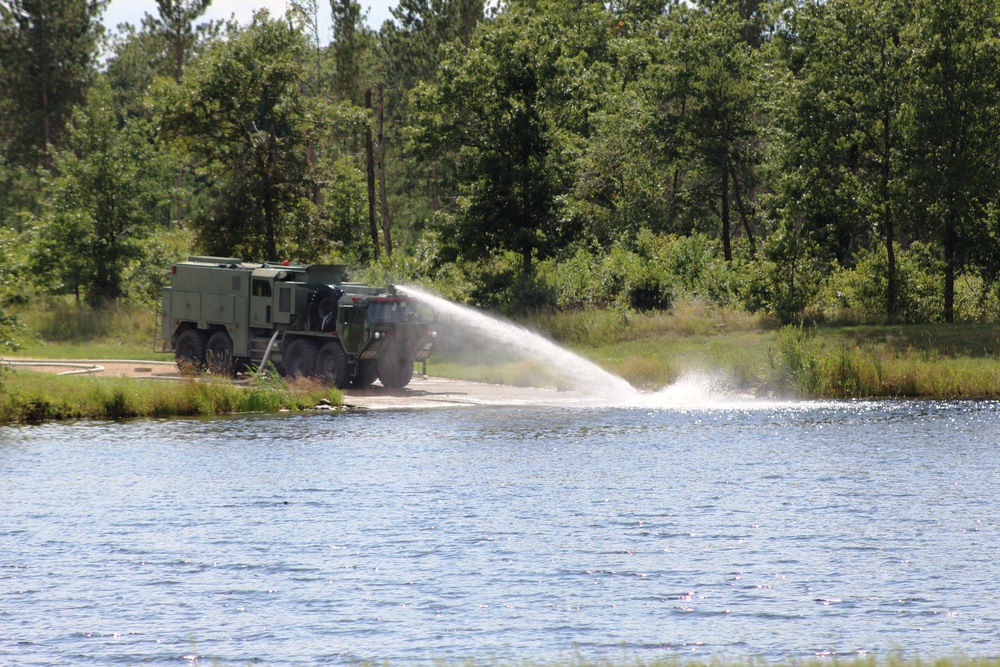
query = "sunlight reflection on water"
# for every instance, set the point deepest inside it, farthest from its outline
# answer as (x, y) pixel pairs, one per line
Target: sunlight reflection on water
(749, 530)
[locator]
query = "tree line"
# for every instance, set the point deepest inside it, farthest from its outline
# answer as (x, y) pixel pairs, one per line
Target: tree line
(791, 156)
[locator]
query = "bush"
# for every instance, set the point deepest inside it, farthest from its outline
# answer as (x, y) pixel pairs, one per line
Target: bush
(860, 294)
(796, 364)
(649, 273)
(787, 281)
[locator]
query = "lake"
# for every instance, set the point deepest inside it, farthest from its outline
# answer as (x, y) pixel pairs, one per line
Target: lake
(548, 534)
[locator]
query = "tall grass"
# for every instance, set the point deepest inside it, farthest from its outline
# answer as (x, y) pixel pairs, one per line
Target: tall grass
(872, 363)
(54, 329)
(35, 397)
(749, 354)
(596, 328)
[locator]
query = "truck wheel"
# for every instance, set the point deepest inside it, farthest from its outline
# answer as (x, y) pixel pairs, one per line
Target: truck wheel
(300, 359)
(396, 373)
(219, 354)
(331, 366)
(190, 350)
(367, 373)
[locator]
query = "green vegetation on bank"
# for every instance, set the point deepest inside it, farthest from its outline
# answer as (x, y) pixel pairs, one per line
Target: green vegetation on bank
(58, 330)
(928, 361)
(34, 397)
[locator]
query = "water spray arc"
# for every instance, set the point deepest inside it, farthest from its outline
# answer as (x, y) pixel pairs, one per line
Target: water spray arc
(590, 378)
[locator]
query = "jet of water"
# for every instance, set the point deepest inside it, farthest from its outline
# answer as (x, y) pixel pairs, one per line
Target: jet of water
(692, 391)
(590, 378)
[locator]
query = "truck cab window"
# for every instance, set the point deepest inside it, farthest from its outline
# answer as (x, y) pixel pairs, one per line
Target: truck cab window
(261, 288)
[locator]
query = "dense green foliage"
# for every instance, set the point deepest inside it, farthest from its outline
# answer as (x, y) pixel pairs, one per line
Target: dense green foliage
(813, 159)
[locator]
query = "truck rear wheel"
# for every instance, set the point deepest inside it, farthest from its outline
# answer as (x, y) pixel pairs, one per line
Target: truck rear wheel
(190, 349)
(331, 365)
(219, 354)
(300, 359)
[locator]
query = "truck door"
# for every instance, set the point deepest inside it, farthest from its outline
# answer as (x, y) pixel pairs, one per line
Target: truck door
(352, 327)
(260, 303)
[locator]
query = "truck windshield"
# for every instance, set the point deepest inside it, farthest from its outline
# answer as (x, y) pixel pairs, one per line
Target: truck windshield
(392, 310)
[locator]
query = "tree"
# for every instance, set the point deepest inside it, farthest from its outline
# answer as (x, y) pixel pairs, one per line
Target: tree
(47, 60)
(844, 116)
(174, 27)
(410, 48)
(351, 42)
(307, 14)
(955, 108)
(9, 263)
(708, 89)
(510, 108)
(412, 43)
(101, 202)
(240, 110)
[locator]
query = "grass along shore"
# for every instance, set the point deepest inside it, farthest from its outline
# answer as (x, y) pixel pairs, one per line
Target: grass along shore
(743, 352)
(31, 397)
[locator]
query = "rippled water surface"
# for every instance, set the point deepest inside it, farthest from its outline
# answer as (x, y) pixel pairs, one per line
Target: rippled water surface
(503, 534)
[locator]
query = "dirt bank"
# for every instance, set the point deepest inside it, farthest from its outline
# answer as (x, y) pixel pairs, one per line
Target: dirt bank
(422, 392)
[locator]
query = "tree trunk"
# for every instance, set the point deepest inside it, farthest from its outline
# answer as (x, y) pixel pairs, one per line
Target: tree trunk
(310, 149)
(727, 242)
(949, 269)
(46, 126)
(370, 156)
(675, 181)
(180, 196)
(887, 221)
(269, 237)
(741, 205)
(383, 199)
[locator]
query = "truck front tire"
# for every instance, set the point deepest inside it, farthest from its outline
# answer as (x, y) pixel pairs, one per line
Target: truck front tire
(395, 373)
(366, 374)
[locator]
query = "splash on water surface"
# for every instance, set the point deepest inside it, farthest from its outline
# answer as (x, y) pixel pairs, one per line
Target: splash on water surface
(691, 391)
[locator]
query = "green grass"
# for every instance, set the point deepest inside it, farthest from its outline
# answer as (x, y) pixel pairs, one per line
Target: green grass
(516, 373)
(34, 397)
(65, 331)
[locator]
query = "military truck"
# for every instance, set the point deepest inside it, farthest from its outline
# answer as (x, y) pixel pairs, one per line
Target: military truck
(225, 314)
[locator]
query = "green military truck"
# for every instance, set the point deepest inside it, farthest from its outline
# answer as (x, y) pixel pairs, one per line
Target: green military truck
(225, 314)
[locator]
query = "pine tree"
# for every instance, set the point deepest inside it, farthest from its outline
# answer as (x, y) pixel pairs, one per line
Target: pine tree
(48, 54)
